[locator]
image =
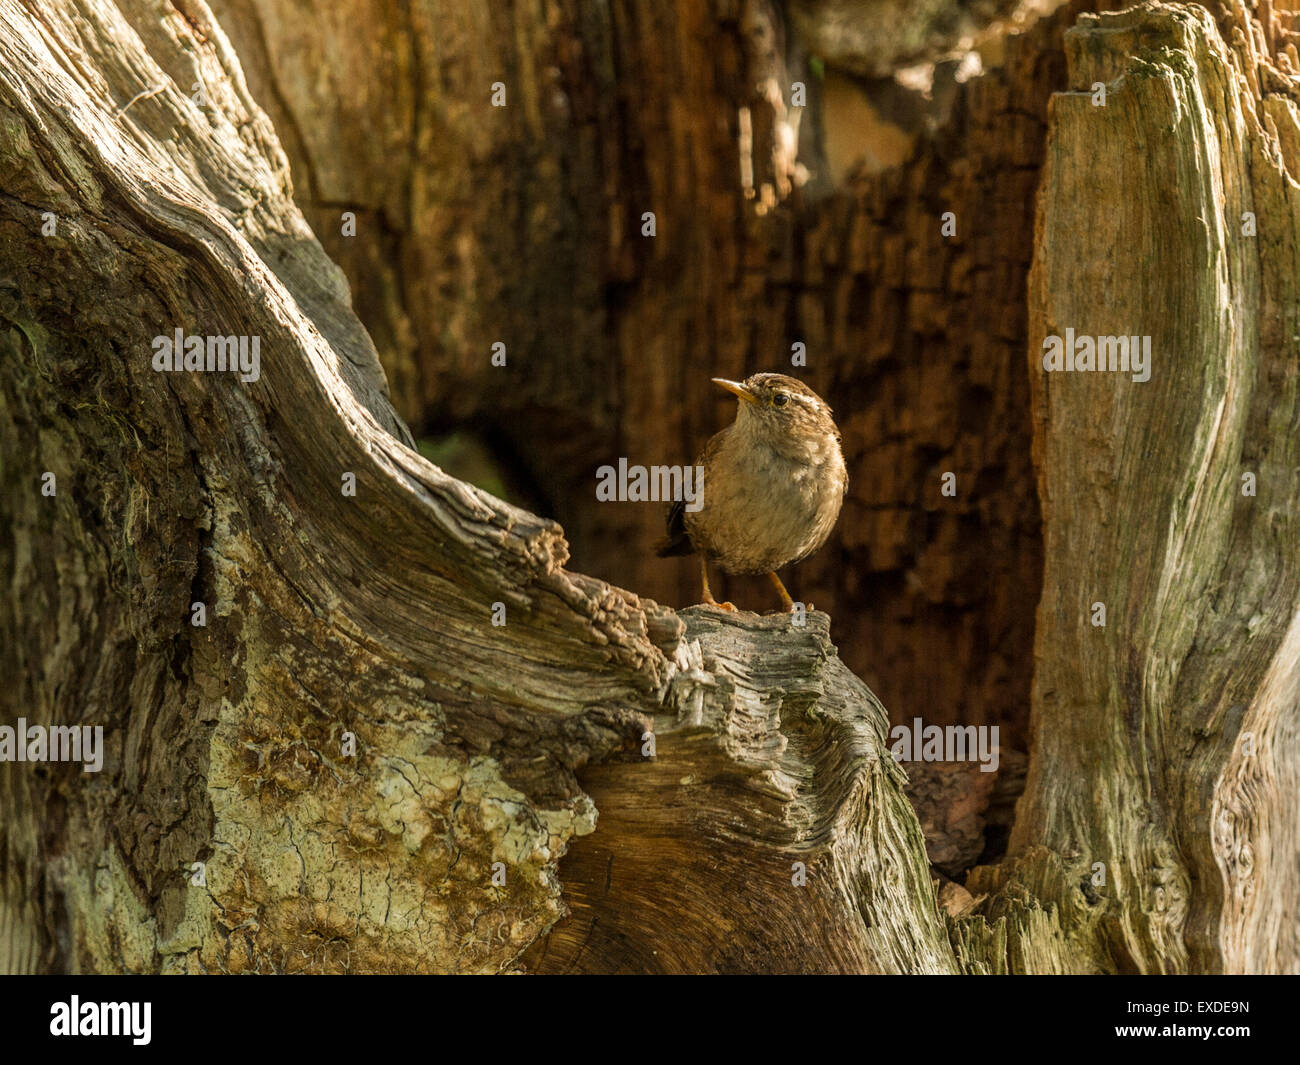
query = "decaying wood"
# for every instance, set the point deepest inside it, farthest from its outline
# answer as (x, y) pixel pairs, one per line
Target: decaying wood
(522, 225)
(521, 749)
(1164, 742)
(330, 614)
(769, 753)
(876, 37)
(950, 800)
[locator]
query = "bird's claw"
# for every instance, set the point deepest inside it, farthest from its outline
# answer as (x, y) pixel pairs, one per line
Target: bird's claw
(730, 608)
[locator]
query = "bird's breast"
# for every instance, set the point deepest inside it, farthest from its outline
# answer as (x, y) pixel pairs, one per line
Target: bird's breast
(764, 509)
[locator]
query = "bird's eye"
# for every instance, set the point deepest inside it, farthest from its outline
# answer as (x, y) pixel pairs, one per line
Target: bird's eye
(780, 399)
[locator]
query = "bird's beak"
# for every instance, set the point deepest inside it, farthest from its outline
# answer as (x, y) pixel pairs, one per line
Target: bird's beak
(736, 387)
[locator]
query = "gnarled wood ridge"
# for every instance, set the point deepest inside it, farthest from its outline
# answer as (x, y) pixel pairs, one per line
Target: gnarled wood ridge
(348, 766)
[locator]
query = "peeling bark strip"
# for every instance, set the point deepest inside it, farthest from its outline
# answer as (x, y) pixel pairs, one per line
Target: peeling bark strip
(232, 828)
(350, 767)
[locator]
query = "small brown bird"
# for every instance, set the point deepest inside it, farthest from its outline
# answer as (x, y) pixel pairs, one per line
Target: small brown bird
(774, 481)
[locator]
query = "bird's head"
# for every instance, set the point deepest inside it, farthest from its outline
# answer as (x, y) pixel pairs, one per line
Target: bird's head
(778, 407)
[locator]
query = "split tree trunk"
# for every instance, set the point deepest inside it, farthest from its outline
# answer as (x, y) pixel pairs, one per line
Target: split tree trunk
(330, 614)
(522, 225)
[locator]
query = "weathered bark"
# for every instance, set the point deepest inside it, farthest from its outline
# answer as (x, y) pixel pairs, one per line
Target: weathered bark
(1165, 741)
(876, 37)
(774, 753)
(522, 225)
(523, 744)
(330, 614)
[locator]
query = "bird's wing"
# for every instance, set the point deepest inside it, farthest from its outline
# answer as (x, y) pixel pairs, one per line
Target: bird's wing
(677, 542)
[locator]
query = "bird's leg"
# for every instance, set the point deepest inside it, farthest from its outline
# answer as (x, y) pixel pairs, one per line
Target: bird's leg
(786, 601)
(708, 595)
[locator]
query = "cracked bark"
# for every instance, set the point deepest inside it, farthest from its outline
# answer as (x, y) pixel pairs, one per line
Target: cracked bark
(522, 744)
(327, 614)
(522, 225)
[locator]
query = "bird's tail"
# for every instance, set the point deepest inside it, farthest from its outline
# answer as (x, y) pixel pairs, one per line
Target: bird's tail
(674, 545)
(676, 542)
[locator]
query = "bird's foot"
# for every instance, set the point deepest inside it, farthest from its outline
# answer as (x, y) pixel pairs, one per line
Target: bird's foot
(791, 607)
(730, 608)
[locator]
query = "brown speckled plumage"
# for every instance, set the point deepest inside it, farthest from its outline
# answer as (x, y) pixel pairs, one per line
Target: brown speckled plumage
(774, 482)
